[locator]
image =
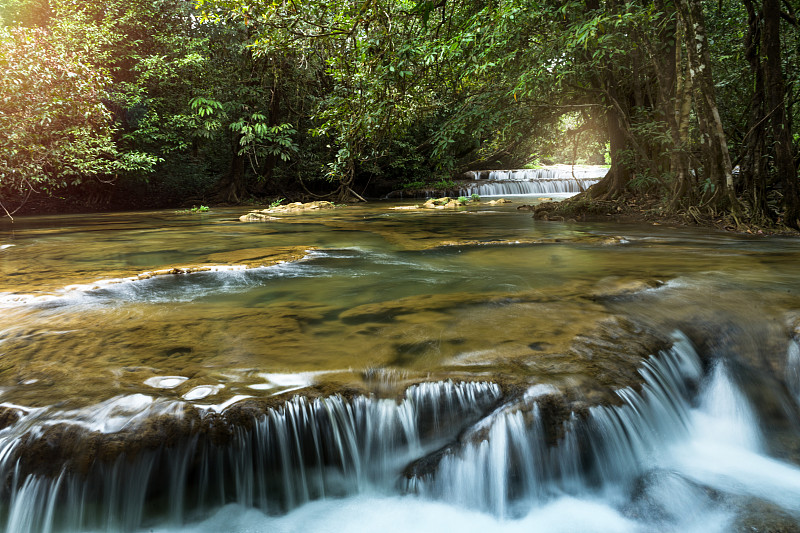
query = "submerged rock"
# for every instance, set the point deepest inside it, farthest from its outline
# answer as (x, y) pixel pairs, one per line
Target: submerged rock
(764, 517)
(612, 287)
(256, 216)
(439, 203)
(265, 215)
(588, 373)
(260, 256)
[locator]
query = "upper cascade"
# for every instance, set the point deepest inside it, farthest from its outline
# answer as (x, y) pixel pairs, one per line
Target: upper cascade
(556, 179)
(554, 172)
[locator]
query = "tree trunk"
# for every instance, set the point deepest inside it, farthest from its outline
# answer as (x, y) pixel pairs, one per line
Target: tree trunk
(716, 159)
(683, 192)
(754, 171)
(776, 107)
(232, 188)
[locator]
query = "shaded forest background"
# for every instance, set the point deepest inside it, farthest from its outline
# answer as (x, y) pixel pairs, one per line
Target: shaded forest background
(154, 103)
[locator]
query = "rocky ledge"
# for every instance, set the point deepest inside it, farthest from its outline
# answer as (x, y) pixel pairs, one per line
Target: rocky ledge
(446, 202)
(265, 215)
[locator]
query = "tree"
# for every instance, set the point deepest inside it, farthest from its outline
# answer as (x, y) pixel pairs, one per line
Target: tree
(57, 131)
(768, 143)
(370, 91)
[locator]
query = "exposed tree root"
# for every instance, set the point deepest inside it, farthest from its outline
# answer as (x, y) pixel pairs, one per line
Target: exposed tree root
(643, 208)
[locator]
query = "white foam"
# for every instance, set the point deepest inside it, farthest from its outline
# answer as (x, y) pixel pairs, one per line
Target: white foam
(367, 514)
(218, 408)
(78, 292)
(202, 391)
(291, 381)
(262, 386)
(164, 382)
(23, 408)
(539, 390)
(725, 451)
(298, 379)
(116, 414)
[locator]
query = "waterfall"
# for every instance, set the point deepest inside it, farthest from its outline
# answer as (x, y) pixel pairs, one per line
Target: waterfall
(656, 461)
(666, 444)
(510, 466)
(549, 180)
(793, 369)
(725, 448)
(305, 450)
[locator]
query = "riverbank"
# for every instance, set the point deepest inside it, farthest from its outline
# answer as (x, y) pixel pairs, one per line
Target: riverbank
(647, 209)
(642, 209)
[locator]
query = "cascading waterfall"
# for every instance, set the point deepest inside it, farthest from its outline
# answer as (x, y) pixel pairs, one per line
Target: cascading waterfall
(660, 455)
(645, 464)
(551, 180)
(509, 467)
(305, 450)
(726, 449)
(793, 369)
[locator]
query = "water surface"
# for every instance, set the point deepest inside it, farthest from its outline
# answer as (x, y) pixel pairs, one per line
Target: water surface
(109, 319)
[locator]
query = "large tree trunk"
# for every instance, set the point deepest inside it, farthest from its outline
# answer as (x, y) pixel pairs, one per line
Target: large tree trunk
(717, 166)
(774, 85)
(754, 170)
(232, 188)
(683, 192)
(619, 174)
(678, 117)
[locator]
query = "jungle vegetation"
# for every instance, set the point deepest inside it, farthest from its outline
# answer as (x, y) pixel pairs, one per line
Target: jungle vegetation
(139, 103)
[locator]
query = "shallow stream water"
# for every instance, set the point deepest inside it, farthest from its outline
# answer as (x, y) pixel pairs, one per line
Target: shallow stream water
(423, 350)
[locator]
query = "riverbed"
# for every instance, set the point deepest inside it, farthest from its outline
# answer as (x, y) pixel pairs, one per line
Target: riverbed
(373, 368)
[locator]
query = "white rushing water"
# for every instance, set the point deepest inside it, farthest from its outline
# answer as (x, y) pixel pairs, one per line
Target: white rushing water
(308, 449)
(556, 180)
(681, 454)
(652, 464)
(793, 369)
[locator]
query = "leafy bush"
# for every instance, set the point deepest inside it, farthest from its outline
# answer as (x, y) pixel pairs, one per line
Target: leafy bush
(56, 130)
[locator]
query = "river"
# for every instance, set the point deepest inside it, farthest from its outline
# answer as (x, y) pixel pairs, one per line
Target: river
(369, 368)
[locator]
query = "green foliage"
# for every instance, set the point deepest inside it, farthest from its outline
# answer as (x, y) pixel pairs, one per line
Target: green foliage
(205, 120)
(193, 210)
(416, 184)
(167, 100)
(441, 183)
(58, 133)
(444, 183)
(643, 181)
(258, 140)
(276, 203)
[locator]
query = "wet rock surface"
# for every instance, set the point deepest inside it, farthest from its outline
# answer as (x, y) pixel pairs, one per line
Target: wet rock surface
(586, 374)
(265, 215)
(764, 517)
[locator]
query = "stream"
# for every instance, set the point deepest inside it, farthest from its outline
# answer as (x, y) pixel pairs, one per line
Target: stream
(370, 368)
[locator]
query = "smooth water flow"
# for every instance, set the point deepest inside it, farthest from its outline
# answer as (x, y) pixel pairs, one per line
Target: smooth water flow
(559, 180)
(373, 369)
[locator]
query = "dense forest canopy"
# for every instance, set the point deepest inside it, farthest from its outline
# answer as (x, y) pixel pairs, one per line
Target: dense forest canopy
(140, 103)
